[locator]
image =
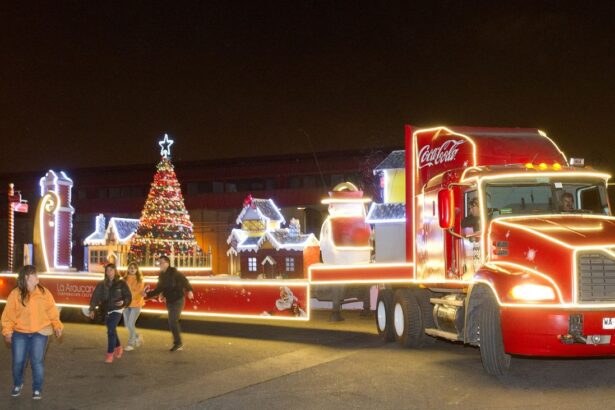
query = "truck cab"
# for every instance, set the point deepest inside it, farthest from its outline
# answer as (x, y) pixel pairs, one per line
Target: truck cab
(512, 249)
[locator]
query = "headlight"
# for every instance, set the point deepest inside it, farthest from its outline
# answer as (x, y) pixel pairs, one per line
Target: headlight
(532, 292)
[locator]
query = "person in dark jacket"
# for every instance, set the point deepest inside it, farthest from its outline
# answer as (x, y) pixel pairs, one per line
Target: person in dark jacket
(172, 285)
(111, 295)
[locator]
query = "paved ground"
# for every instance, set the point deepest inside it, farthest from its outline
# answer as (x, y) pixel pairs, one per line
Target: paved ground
(317, 365)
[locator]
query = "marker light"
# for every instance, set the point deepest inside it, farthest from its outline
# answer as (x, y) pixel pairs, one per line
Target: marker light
(557, 166)
(532, 292)
(542, 166)
(529, 165)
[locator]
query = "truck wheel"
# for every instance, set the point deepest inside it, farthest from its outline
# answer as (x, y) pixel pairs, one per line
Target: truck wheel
(409, 331)
(384, 315)
(422, 297)
(495, 360)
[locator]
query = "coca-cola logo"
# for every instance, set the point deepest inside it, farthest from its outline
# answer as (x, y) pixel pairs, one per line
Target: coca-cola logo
(444, 153)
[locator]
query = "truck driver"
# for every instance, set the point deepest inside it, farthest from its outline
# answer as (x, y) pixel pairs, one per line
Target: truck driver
(566, 202)
(472, 219)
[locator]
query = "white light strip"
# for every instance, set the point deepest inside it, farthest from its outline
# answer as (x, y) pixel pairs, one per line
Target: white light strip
(384, 221)
(346, 201)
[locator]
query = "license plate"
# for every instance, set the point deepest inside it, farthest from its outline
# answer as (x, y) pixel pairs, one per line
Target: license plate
(608, 322)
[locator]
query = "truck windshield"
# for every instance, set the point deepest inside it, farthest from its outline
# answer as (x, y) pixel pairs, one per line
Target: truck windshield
(545, 195)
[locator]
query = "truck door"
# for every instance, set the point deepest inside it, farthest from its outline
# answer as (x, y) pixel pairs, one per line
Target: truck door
(470, 229)
(430, 246)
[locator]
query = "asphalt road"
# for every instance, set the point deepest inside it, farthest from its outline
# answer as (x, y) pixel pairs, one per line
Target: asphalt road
(318, 365)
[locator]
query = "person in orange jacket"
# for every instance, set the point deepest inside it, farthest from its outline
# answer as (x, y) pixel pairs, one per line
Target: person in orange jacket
(134, 280)
(29, 318)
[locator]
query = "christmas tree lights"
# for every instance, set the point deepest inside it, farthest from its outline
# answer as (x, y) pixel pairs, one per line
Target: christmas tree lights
(164, 227)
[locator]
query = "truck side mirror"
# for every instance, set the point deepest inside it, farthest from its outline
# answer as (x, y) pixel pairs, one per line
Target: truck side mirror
(446, 208)
(611, 194)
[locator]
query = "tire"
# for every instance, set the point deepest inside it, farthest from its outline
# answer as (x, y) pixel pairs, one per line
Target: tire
(407, 322)
(422, 297)
(496, 361)
(384, 315)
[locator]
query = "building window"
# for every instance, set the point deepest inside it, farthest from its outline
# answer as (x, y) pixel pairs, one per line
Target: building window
(98, 257)
(251, 264)
(115, 192)
(257, 185)
(217, 187)
(270, 183)
(136, 191)
(294, 182)
(309, 181)
(193, 188)
(290, 264)
(336, 179)
(205, 186)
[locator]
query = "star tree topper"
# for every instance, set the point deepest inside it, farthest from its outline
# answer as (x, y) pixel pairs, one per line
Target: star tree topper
(165, 146)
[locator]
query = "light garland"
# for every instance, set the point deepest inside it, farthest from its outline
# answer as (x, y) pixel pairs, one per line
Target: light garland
(164, 227)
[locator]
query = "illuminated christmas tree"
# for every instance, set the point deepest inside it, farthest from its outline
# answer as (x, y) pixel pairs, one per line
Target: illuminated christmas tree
(164, 226)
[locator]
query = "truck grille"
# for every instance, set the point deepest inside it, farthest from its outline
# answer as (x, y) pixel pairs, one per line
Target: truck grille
(596, 272)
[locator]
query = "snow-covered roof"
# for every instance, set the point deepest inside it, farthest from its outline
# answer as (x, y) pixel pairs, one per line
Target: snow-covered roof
(96, 238)
(122, 230)
(239, 235)
(282, 238)
(279, 239)
(395, 160)
(263, 209)
(251, 241)
(386, 213)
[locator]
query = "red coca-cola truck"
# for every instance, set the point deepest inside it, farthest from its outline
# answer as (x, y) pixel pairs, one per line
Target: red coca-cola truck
(504, 245)
(486, 236)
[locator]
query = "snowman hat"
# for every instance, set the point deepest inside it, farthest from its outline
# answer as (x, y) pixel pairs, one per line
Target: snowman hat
(345, 192)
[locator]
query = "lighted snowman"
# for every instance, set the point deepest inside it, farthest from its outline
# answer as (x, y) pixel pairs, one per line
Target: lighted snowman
(345, 236)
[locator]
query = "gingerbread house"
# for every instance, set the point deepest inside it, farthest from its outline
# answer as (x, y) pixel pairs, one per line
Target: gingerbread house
(262, 249)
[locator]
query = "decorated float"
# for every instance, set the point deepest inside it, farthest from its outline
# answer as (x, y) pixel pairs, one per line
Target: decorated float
(273, 285)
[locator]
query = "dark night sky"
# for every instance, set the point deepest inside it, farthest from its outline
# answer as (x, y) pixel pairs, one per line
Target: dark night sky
(84, 84)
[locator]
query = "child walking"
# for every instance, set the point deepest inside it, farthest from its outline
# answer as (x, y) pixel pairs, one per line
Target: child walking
(134, 280)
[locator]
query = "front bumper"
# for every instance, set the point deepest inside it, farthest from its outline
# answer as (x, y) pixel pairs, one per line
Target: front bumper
(543, 332)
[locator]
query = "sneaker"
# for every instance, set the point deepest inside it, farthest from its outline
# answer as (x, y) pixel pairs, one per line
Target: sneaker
(118, 352)
(177, 347)
(139, 341)
(16, 390)
(109, 358)
(129, 348)
(36, 395)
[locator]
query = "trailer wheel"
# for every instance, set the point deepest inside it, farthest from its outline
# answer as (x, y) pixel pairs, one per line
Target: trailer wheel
(409, 331)
(422, 297)
(384, 315)
(495, 360)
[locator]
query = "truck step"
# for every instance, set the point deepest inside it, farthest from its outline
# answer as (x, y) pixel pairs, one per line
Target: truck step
(450, 302)
(442, 334)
